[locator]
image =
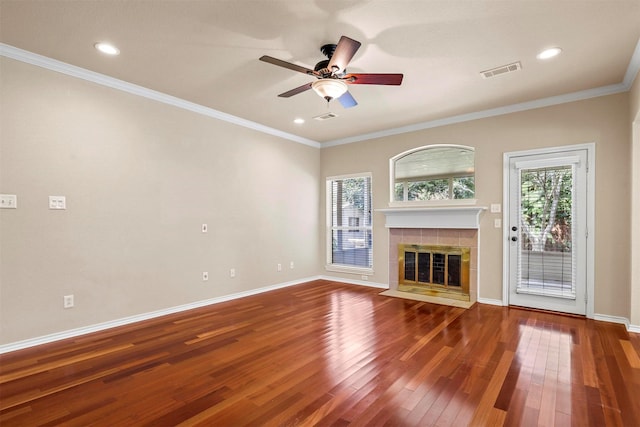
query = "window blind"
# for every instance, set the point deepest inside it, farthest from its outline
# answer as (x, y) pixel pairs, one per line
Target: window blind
(350, 228)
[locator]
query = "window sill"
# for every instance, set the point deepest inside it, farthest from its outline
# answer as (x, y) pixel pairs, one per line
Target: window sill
(337, 268)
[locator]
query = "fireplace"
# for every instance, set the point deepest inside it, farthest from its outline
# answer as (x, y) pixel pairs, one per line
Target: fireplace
(450, 237)
(435, 270)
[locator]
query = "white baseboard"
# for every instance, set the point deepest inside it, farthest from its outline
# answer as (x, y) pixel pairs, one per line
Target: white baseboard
(617, 319)
(602, 317)
(490, 301)
(71, 333)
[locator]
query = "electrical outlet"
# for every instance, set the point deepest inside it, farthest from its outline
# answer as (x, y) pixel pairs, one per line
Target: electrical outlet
(8, 201)
(497, 223)
(291, 265)
(68, 301)
(232, 273)
(57, 202)
(204, 228)
(364, 277)
(205, 276)
(279, 267)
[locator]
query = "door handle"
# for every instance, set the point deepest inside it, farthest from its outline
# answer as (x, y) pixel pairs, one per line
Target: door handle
(514, 228)
(514, 239)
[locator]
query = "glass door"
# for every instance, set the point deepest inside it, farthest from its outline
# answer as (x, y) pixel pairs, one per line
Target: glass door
(547, 231)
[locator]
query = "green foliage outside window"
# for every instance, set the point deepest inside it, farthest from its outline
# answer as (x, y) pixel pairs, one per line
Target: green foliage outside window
(437, 189)
(546, 205)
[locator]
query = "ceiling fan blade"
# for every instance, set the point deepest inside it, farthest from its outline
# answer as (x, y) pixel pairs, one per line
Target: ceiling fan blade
(373, 79)
(345, 50)
(347, 100)
(295, 91)
(288, 65)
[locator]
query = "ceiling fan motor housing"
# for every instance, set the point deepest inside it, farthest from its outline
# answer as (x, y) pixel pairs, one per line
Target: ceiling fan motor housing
(322, 67)
(328, 50)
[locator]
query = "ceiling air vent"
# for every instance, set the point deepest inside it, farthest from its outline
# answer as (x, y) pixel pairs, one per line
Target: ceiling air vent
(326, 116)
(503, 69)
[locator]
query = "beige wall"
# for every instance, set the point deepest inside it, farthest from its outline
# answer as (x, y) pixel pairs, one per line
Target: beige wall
(140, 178)
(601, 120)
(635, 203)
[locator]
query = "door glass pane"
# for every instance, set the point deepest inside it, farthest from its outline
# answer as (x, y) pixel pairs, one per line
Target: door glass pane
(546, 260)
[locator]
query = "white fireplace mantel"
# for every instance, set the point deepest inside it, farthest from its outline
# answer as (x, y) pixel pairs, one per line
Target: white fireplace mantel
(433, 217)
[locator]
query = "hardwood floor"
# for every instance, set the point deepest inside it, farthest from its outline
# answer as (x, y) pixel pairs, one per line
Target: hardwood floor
(331, 354)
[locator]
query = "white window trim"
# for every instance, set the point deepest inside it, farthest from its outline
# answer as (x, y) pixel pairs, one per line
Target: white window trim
(342, 268)
(445, 202)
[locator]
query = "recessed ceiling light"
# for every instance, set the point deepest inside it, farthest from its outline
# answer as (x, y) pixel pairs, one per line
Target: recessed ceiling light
(298, 121)
(107, 48)
(549, 53)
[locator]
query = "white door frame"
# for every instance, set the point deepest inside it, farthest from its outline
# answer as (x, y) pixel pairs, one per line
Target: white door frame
(591, 181)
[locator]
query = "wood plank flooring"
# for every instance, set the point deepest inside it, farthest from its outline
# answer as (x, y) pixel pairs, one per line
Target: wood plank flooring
(330, 354)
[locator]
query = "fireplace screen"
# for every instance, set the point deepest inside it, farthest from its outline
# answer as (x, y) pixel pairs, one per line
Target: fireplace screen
(434, 267)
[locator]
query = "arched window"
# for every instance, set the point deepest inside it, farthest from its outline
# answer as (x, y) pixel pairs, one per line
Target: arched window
(433, 174)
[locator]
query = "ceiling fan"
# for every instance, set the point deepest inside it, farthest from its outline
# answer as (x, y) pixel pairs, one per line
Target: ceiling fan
(332, 76)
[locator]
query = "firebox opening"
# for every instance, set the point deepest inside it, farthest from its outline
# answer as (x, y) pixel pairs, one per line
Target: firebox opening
(434, 270)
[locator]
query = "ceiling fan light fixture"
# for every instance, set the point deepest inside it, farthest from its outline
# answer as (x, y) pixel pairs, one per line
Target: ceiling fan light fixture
(329, 88)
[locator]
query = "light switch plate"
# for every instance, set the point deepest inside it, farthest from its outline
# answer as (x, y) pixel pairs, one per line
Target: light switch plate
(8, 201)
(57, 202)
(496, 208)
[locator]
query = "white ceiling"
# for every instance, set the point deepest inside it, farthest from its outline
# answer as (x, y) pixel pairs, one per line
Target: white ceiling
(206, 52)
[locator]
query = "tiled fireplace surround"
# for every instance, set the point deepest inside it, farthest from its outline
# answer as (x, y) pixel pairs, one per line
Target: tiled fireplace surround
(435, 236)
(450, 226)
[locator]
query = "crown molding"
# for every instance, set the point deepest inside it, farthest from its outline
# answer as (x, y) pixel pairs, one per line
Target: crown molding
(633, 68)
(493, 112)
(111, 82)
(104, 80)
(632, 71)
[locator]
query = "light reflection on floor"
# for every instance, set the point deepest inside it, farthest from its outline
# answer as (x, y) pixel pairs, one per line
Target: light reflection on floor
(350, 332)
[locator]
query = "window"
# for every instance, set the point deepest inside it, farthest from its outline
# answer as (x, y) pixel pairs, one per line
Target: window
(349, 230)
(434, 173)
